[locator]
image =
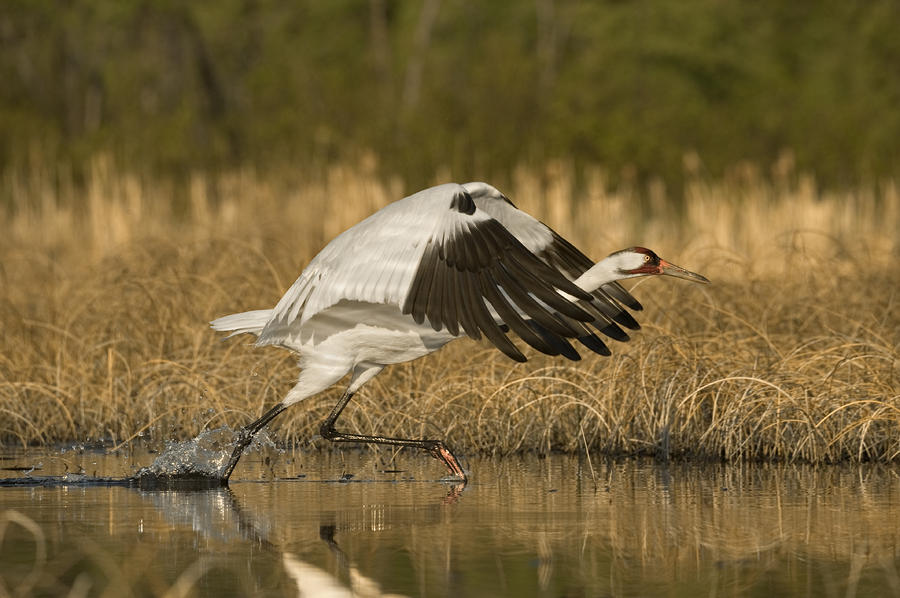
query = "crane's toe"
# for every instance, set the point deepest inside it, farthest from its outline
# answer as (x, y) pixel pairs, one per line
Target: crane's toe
(442, 453)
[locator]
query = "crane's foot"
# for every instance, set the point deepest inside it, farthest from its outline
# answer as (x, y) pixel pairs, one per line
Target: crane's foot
(442, 453)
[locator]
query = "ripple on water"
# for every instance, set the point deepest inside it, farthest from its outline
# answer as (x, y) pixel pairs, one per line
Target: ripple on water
(523, 527)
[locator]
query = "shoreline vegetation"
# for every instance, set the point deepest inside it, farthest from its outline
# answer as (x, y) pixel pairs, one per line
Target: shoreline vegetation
(792, 354)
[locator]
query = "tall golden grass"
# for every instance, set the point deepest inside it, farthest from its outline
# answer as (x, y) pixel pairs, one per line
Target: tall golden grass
(791, 354)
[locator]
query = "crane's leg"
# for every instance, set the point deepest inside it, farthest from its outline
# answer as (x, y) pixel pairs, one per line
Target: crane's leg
(245, 437)
(435, 447)
(312, 380)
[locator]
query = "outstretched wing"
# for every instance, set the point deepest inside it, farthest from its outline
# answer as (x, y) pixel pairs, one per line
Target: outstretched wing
(440, 259)
(372, 262)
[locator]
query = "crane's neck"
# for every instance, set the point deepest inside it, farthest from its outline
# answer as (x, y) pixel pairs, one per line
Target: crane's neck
(603, 272)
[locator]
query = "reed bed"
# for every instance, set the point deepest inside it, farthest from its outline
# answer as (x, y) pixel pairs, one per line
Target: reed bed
(791, 354)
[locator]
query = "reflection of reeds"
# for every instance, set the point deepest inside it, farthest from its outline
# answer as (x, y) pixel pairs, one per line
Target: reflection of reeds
(526, 524)
(725, 526)
(792, 353)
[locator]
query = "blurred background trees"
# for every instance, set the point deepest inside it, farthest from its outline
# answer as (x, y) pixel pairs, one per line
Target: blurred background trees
(649, 90)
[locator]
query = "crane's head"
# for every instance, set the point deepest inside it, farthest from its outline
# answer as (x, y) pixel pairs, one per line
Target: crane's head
(640, 261)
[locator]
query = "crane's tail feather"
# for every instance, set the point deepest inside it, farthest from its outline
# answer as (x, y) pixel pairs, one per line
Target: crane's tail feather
(247, 321)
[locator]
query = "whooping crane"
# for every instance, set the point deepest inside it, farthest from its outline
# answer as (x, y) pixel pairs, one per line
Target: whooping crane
(447, 262)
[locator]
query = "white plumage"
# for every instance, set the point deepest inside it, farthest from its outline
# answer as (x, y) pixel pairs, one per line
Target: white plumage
(448, 261)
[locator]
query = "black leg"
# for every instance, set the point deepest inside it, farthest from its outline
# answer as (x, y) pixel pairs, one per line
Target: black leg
(435, 447)
(245, 437)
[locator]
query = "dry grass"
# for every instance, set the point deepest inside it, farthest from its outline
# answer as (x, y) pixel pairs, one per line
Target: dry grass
(791, 354)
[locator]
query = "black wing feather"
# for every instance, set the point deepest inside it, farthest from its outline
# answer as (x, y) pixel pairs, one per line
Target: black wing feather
(479, 263)
(593, 342)
(531, 307)
(560, 345)
(618, 292)
(513, 320)
(567, 258)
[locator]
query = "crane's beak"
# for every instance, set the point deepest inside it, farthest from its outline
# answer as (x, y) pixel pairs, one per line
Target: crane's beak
(679, 272)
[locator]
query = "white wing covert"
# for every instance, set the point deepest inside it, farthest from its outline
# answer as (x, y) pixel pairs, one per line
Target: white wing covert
(373, 261)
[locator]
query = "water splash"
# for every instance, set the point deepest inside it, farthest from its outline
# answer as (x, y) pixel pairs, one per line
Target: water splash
(198, 459)
(203, 456)
(196, 464)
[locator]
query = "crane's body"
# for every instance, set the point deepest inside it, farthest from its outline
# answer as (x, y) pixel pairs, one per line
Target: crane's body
(449, 261)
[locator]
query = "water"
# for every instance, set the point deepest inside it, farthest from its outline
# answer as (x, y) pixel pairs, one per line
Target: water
(364, 524)
(205, 456)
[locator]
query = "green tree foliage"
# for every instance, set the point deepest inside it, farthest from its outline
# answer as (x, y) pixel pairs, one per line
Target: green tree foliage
(476, 86)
